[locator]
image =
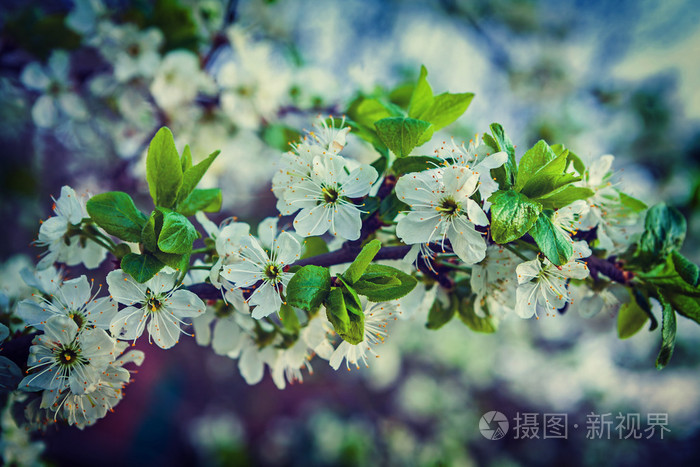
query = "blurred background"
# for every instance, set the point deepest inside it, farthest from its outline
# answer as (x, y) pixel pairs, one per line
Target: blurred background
(85, 84)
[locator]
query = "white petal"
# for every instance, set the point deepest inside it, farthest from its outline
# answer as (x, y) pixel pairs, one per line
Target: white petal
(491, 162)
(227, 336)
(287, 249)
(313, 221)
(526, 300)
(185, 304)
(251, 365)
(419, 227)
(475, 213)
(44, 112)
(124, 289)
(34, 77)
(359, 182)
(528, 270)
(129, 323)
(267, 301)
(267, 231)
(75, 292)
(164, 330)
(346, 222)
(466, 242)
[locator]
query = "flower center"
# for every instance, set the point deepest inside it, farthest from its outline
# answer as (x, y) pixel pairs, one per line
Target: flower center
(77, 318)
(330, 194)
(448, 206)
(153, 303)
(67, 356)
(272, 272)
(133, 50)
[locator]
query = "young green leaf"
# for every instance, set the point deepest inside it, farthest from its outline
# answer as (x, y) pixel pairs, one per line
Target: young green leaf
(504, 175)
(141, 267)
(151, 230)
(533, 160)
(364, 258)
(668, 335)
(512, 215)
(414, 164)
(280, 136)
(475, 323)
(401, 134)
(289, 318)
(446, 108)
(366, 111)
(314, 246)
(186, 158)
(201, 199)
(440, 314)
(163, 169)
(422, 97)
(565, 196)
(547, 178)
(632, 203)
(116, 213)
(192, 176)
(664, 230)
(336, 312)
(630, 319)
(309, 287)
(555, 245)
(686, 269)
(381, 283)
(177, 235)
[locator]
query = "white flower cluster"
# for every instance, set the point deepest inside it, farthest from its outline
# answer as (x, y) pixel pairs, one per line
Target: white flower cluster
(78, 360)
(320, 183)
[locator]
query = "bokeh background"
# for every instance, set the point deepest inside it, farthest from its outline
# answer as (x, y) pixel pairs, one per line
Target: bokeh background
(85, 84)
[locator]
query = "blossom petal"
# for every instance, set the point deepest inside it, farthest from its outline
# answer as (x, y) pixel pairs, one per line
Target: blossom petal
(526, 300)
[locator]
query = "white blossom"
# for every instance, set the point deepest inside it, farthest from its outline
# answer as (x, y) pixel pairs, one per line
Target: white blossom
(324, 197)
(57, 100)
(541, 283)
(62, 357)
(156, 303)
(478, 157)
(376, 318)
(493, 282)
(74, 299)
(55, 233)
(265, 267)
(441, 208)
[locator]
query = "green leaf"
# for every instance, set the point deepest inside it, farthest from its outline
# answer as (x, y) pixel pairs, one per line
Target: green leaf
(280, 136)
(630, 319)
(116, 213)
(686, 305)
(289, 318)
(632, 203)
(401, 134)
(475, 323)
(336, 312)
(364, 258)
(504, 175)
(560, 198)
(547, 178)
(382, 283)
(355, 332)
(207, 200)
(440, 314)
(534, 160)
(664, 230)
(668, 280)
(314, 246)
(175, 261)
(309, 287)
(414, 164)
(141, 267)
(446, 108)
(177, 235)
(422, 97)
(163, 169)
(556, 246)
(192, 176)
(512, 215)
(668, 335)
(186, 159)
(686, 269)
(151, 230)
(366, 111)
